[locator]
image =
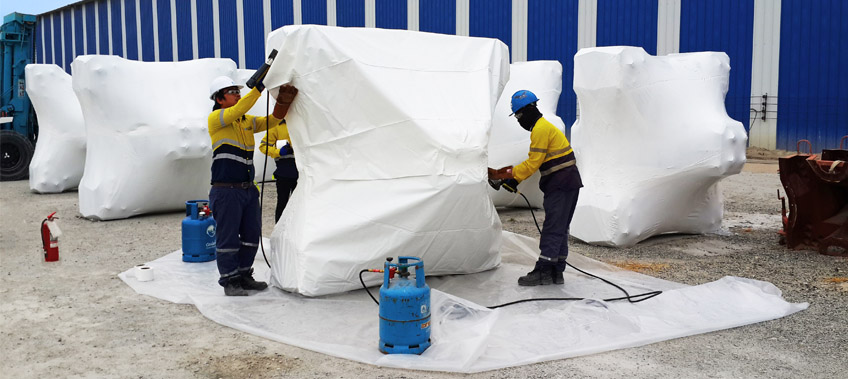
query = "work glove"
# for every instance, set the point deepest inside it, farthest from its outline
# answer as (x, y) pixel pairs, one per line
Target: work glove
(502, 173)
(286, 150)
(286, 94)
(510, 185)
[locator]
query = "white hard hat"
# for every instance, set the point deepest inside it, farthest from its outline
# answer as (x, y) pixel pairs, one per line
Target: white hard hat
(220, 83)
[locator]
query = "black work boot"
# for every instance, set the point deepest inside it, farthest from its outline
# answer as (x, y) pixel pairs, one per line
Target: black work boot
(556, 275)
(234, 288)
(248, 283)
(539, 276)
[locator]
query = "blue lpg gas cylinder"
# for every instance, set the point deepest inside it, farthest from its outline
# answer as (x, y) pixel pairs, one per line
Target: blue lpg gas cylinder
(198, 232)
(404, 308)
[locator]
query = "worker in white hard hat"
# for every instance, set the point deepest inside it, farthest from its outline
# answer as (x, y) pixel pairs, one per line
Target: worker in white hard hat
(234, 197)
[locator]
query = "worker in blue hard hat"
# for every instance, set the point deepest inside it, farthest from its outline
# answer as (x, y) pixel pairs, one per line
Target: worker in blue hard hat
(551, 154)
(234, 197)
(286, 172)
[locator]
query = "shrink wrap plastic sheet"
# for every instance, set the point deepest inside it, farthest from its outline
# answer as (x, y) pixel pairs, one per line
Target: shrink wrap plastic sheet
(652, 142)
(148, 141)
(261, 108)
(59, 158)
(509, 144)
(466, 336)
(391, 130)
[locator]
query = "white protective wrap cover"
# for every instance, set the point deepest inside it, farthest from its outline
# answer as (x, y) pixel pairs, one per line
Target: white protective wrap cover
(509, 144)
(59, 158)
(652, 142)
(466, 336)
(148, 141)
(391, 130)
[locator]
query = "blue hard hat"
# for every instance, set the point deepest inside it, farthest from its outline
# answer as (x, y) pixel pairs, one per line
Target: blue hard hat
(521, 99)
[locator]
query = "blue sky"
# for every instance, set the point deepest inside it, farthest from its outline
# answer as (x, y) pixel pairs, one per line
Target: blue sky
(31, 6)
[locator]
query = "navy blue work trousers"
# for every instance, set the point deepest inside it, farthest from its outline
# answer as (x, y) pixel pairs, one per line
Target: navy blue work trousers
(236, 211)
(559, 207)
(285, 187)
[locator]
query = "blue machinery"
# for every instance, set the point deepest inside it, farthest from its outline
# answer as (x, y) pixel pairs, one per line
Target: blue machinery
(18, 127)
(404, 308)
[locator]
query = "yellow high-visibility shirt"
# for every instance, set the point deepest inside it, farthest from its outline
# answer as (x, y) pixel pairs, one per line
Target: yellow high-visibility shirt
(549, 152)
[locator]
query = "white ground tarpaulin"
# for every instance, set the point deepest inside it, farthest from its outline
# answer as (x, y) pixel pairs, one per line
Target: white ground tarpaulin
(147, 136)
(652, 142)
(509, 144)
(59, 158)
(466, 336)
(390, 129)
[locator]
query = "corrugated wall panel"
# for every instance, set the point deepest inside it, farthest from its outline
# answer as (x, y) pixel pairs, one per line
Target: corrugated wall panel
(90, 28)
(185, 45)
(117, 29)
(552, 35)
(132, 29)
(631, 23)
(282, 13)
(102, 28)
(728, 26)
(254, 34)
(313, 12)
(205, 30)
(68, 37)
(78, 27)
(39, 40)
(437, 16)
(163, 17)
(350, 13)
(391, 14)
(56, 20)
(813, 83)
(148, 54)
(491, 18)
(228, 34)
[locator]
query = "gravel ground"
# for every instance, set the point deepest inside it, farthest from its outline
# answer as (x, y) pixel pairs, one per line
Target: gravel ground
(76, 318)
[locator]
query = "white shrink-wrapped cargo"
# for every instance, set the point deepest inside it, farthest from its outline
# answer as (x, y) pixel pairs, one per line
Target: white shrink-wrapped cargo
(149, 148)
(652, 142)
(261, 108)
(59, 158)
(391, 130)
(509, 144)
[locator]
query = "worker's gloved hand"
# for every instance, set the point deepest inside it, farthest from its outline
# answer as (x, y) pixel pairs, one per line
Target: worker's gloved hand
(259, 86)
(286, 150)
(510, 185)
(502, 173)
(286, 94)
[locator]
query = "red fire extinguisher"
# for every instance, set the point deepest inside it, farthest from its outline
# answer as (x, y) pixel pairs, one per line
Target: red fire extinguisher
(50, 233)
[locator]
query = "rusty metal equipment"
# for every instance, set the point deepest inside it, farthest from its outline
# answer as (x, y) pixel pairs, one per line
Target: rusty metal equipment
(817, 188)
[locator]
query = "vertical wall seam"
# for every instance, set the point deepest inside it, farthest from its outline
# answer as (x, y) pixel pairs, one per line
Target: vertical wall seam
(413, 15)
(519, 31)
(155, 31)
(195, 50)
(240, 33)
(175, 42)
(331, 13)
(370, 13)
(297, 12)
(462, 17)
(216, 28)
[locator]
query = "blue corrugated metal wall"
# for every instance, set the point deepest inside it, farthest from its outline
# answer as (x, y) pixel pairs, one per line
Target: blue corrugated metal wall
(254, 33)
(90, 26)
(205, 30)
(146, 19)
(282, 13)
(163, 16)
(492, 19)
(552, 35)
(39, 44)
(350, 13)
(228, 26)
(103, 27)
(437, 16)
(631, 22)
(69, 47)
(391, 14)
(728, 26)
(131, 32)
(813, 87)
(314, 12)
(185, 46)
(117, 29)
(57, 38)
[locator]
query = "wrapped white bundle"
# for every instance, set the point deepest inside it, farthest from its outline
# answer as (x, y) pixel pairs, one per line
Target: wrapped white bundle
(652, 142)
(391, 130)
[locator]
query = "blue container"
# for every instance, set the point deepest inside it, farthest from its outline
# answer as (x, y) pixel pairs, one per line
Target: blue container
(198, 232)
(404, 309)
